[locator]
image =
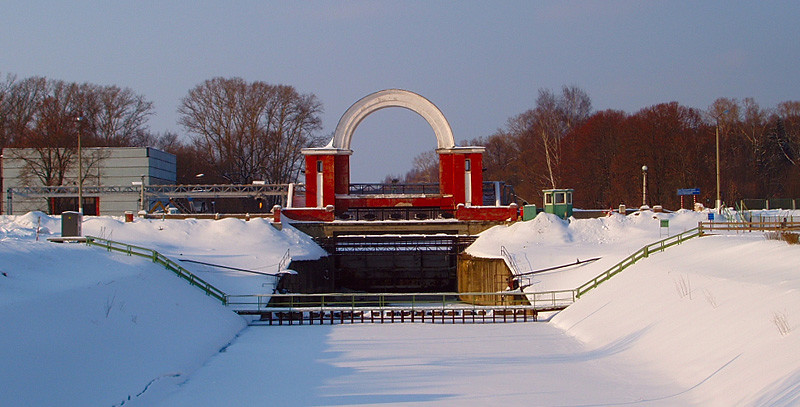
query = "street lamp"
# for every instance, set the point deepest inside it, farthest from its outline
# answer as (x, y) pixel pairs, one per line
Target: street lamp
(644, 186)
(719, 201)
(79, 119)
(1, 181)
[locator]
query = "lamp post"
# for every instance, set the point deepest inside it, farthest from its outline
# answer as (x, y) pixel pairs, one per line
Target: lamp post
(1, 181)
(142, 195)
(644, 186)
(79, 119)
(719, 201)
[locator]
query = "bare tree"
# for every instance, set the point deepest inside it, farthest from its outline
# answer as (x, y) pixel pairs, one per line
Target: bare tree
(550, 127)
(753, 122)
(541, 130)
(789, 114)
(5, 95)
(21, 102)
(291, 121)
(115, 116)
(41, 115)
(425, 169)
(250, 131)
(52, 135)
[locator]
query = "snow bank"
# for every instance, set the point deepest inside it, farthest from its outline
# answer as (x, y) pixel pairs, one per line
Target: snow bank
(548, 241)
(252, 245)
(716, 315)
(707, 313)
(85, 327)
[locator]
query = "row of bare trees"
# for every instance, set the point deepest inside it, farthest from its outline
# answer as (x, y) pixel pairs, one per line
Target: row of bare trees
(237, 131)
(562, 143)
(46, 116)
(601, 154)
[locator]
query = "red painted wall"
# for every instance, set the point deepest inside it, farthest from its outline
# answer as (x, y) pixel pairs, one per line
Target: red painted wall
(446, 175)
(452, 177)
(477, 178)
(500, 213)
(336, 180)
(311, 181)
(329, 179)
(342, 171)
(308, 214)
(353, 201)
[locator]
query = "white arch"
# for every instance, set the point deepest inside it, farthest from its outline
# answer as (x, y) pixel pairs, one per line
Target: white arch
(392, 98)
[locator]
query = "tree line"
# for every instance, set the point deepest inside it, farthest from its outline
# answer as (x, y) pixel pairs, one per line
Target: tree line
(239, 131)
(562, 143)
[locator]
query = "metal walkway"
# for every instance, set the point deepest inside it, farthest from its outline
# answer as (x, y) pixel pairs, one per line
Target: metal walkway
(444, 308)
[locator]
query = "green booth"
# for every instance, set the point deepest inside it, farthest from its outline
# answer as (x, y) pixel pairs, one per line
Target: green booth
(558, 202)
(529, 212)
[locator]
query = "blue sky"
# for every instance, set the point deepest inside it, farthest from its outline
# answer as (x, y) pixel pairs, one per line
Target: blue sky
(479, 62)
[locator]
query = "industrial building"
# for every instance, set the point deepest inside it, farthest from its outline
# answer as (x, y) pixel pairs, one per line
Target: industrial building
(113, 180)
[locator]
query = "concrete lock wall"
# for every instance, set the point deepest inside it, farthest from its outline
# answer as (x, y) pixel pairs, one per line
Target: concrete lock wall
(483, 275)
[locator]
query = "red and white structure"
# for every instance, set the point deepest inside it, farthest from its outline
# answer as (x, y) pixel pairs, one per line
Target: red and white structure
(327, 176)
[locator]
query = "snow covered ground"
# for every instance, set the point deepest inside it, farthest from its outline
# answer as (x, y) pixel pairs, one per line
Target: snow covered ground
(710, 322)
(251, 245)
(418, 365)
(548, 241)
(82, 327)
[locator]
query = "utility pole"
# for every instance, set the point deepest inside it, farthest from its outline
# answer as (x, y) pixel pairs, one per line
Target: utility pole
(644, 185)
(719, 200)
(79, 119)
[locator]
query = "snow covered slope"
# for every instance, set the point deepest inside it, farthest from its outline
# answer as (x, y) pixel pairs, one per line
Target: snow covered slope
(548, 241)
(718, 314)
(83, 327)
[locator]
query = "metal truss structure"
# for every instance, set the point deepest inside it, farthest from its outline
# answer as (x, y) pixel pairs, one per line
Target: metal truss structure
(153, 192)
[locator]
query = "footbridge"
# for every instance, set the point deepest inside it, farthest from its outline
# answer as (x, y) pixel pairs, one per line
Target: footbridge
(445, 308)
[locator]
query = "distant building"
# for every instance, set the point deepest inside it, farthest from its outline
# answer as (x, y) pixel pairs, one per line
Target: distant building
(108, 186)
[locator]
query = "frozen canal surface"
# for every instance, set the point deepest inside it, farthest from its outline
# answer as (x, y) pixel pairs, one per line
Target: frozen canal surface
(420, 365)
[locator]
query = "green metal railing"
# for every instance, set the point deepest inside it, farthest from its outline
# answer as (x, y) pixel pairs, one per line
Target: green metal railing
(159, 258)
(759, 225)
(405, 301)
(645, 251)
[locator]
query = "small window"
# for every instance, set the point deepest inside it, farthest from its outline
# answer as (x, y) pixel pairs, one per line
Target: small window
(319, 166)
(569, 198)
(548, 198)
(560, 197)
(467, 165)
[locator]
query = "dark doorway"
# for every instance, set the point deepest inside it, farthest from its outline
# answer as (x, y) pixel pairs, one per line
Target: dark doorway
(91, 205)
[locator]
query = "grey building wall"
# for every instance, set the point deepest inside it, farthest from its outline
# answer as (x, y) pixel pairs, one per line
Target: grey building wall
(117, 166)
